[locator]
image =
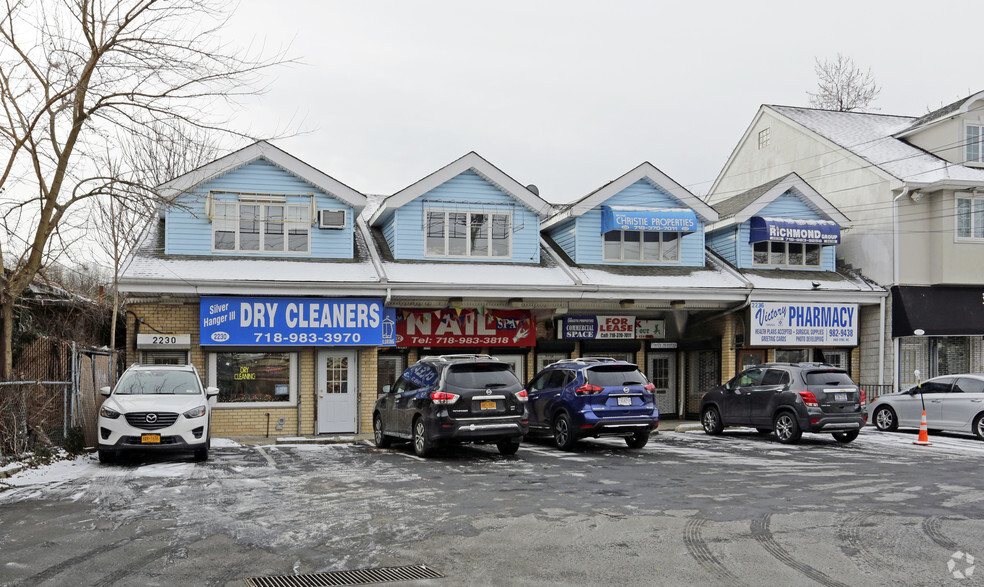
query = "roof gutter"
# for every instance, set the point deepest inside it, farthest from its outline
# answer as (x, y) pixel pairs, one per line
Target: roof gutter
(560, 262)
(895, 235)
(377, 263)
(740, 277)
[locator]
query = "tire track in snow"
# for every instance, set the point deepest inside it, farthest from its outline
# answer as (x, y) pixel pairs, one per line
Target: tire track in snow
(850, 532)
(703, 555)
(933, 527)
(762, 533)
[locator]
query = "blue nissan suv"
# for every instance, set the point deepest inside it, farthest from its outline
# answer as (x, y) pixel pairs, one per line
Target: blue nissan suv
(592, 397)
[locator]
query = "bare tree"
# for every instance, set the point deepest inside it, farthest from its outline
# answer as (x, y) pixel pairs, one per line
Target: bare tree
(75, 77)
(842, 86)
(150, 161)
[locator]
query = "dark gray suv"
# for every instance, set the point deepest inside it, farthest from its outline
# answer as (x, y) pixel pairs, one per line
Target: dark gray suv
(788, 398)
(451, 399)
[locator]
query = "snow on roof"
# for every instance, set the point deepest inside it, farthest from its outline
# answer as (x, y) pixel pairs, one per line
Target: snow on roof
(797, 280)
(870, 136)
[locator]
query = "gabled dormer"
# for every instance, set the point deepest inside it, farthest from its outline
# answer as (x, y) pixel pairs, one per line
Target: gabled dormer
(468, 210)
(260, 202)
(783, 224)
(641, 218)
(954, 132)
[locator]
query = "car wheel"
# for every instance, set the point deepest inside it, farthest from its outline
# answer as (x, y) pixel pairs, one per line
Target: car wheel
(845, 437)
(886, 420)
(381, 440)
(201, 454)
(508, 446)
(979, 426)
(422, 446)
(787, 428)
(637, 440)
(107, 457)
(764, 430)
(563, 435)
(711, 419)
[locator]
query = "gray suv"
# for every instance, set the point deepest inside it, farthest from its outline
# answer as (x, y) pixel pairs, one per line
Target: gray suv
(789, 399)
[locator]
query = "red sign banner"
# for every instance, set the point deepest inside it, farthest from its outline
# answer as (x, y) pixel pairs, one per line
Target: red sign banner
(465, 328)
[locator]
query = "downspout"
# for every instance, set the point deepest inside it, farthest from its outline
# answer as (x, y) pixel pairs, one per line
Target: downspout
(881, 342)
(377, 263)
(896, 271)
(560, 262)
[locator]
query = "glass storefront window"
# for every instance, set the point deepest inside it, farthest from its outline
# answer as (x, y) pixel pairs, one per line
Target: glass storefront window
(252, 377)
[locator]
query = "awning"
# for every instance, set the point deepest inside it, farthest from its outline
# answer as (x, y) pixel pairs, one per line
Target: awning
(656, 220)
(792, 230)
(937, 311)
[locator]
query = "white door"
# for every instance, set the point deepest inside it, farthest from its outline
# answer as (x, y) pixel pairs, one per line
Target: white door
(517, 362)
(662, 374)
(338, 388)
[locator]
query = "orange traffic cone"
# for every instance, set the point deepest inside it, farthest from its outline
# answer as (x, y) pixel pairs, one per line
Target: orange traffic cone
(923, 433)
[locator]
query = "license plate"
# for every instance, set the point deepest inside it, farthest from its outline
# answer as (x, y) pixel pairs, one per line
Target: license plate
(150, 439)
(840, 397)
(488, 405)
(625, 401)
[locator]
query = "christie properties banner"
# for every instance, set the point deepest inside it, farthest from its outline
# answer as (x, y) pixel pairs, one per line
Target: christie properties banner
(803, 324)
(295, 322)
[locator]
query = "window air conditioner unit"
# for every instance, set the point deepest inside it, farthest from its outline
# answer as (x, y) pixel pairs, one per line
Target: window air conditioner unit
(333, 219)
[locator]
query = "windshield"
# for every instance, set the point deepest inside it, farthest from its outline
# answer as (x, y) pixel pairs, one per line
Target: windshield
(482, 375)
(158, 382)
(615, 375)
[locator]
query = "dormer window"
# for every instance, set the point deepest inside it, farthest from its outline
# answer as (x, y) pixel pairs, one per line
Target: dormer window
(641, 246)
(780, 254)
(453, 233)
(261, 225)
(975, 143)
(790, 242)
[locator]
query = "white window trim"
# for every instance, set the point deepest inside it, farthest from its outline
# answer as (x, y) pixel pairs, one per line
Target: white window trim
(468, 213)
(956, 217)
(213, 379)
(980, 143)
(640, 260)
(786, 256)
(262, 202)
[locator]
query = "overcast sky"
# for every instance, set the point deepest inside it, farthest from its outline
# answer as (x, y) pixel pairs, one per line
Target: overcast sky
(570, 95)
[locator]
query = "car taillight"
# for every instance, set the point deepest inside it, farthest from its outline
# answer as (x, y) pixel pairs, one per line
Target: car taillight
(809, 399)
(862, 397)
(522, 395)
(442, 397)
(650, 387)
(588, 389)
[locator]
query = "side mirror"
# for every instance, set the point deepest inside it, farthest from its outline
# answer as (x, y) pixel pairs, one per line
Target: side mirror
(105, 390)
(211, 391)
(387, 388)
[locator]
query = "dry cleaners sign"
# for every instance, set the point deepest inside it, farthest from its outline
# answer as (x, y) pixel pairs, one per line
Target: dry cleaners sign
(295, 321)
(803, 324)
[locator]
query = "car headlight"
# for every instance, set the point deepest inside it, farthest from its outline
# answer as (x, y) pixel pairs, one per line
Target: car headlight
(195, 412)
(108, 413)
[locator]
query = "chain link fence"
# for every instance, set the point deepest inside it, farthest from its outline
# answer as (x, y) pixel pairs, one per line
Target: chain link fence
(57, 389)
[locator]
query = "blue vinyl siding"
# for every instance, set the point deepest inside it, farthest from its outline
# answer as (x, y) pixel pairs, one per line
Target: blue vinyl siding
(641, 194)
(467, 192)
(788, 206)
(723, 243)
(389, 231)
(188, 230)
(565, 235)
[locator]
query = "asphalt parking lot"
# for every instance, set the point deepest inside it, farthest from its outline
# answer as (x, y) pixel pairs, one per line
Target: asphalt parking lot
(740, 509)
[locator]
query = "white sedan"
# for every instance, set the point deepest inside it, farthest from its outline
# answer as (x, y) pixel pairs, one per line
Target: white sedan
(952, 402)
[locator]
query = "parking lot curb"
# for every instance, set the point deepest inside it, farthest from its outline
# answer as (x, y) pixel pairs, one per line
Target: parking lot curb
(688, 428)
